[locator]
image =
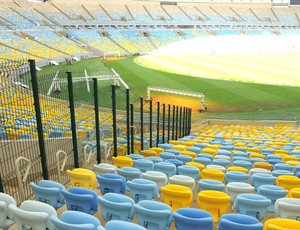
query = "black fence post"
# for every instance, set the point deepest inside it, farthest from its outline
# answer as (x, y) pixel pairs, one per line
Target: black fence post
(114, 113)
(157, 129)
(176, 128)
(150, 120)
(97, 121)
(128, 121)
(169, 120)
(163, 122)
(180, 124)
(142, 122)
(73, 120)
(132, 128)
(189, 121)
(183, 121)
(35, 91)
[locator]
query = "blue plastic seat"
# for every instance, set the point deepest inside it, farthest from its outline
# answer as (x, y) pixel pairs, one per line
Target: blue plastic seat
(242, 163)
(209, 184)
(143, 165)
(153, 215)
(224, 152)
(252, 204)
(111, 183)
(116, 206)
(136, 156)
(72, 220)
(223, 162)
(160, 178)
(129, 173)
(142, 189)
(238, 222)
(183, 158)
(49, 192)
(236, 176)
(206, 155)
(6, 217)
(203, 160)
(283, 166)
(168, 168)
(155, 159)
(119, 224)
(233, 189)
(167, 155)
(273, 193)
(174, 151)
(193, 218)
(165, 146)
(240, 154)
(280, 172)
(190, 171)
(81, 199)
(273, 156)
(258, 179)
(194, 149)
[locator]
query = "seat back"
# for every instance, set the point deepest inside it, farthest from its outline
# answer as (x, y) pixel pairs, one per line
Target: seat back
(168, 168)
(35, 220)
(287, 208)
(111, 183)
(239, 221)
(81, 199)
(60, 225)
(153, 214)
(192, 218)
(177, 196)
(104, 168)
(119, 224)
(142, 189)
(6, 217)
(281, 224)
(82, 178)
(143, 165)
(116, 206)
(47, 192)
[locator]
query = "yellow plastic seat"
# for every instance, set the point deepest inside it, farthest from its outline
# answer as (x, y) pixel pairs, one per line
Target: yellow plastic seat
(252, 149)
(174, 142)
(189, 153)
(149, 153)
(158, 150)
(214, 174)
(288, 182)
(293, 163)
(187, 143)
(214, 146)
(257, 155)
(281, 151)
(281, 224)
(215, 202)
(210, 151)
(177, 196)
(196, 164)
(294, 193)
(237, 168)
(179, 147)
(121, 150)
(122, 161)
(263, 165)
(290, 158)
(82, 178)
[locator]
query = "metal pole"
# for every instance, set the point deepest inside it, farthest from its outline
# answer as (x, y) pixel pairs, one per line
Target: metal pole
(173, 122)
(132, 128)
(142, 122)
(35, 91)
(128, 121)
(73, 120)
(180, 117)
(163, 123)
(97, 121)
(190, 120)
(157, 129)
(169, 120)
(114, 112)
(150, 118)
(176, 128)
(183, 121)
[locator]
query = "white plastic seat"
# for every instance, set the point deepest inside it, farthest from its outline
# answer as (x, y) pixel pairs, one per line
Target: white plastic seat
(160, 178)
(287, 208)
(104, 168)
(6, 217)
(182, 180)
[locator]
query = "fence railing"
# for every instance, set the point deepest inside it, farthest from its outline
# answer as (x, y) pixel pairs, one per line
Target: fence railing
(47, 128)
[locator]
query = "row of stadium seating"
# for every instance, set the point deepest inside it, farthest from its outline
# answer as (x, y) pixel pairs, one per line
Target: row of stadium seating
(47, 45)
(24, 15)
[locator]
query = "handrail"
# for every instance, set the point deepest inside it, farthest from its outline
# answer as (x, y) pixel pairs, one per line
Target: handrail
(18, 173)
(62, 167)
(85, 151)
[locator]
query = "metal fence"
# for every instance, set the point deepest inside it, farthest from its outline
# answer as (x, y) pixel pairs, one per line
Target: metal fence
(47, 126)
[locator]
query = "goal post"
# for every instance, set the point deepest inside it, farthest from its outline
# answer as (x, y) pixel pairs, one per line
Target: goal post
(112, 54)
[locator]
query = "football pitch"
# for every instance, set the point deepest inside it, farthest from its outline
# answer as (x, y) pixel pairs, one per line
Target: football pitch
(264, 86)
